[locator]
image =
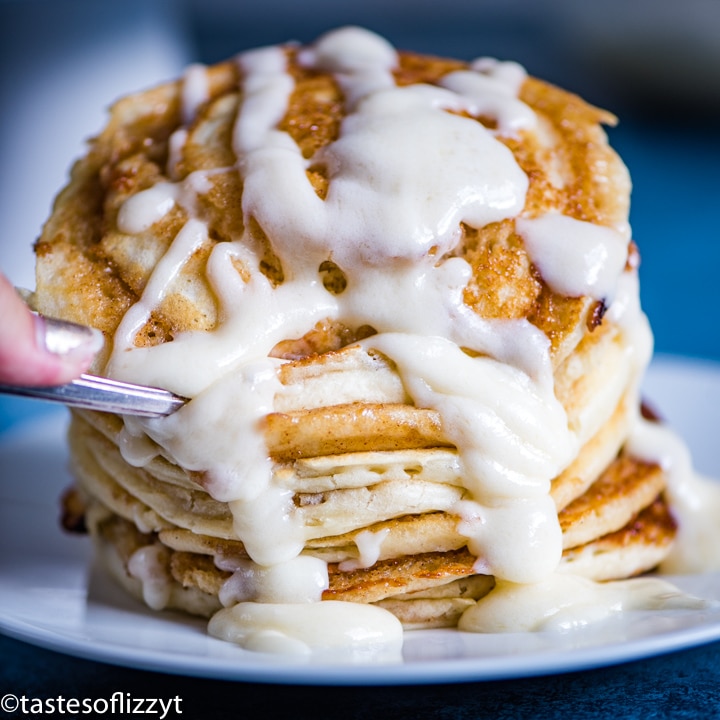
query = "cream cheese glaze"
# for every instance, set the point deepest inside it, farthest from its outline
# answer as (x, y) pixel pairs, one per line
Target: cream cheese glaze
(389, 214)
(147, 564)
(563, 602)
(369, 545)
(592, 268)
(194, 91)
(299, 629)
(695, 499)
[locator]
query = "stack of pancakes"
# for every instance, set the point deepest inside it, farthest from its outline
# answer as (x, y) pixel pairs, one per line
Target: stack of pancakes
(374, 478)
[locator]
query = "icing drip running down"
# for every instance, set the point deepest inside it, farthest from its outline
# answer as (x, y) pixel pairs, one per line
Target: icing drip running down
(388, 219)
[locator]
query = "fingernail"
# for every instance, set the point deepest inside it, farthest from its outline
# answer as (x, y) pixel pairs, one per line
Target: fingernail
(61, 337)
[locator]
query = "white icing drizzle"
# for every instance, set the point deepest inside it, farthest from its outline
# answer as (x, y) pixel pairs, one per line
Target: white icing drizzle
(189, 239)
(135, 446)
(142, 210)
(369, 545)
(360, 62)
(389, 214)
(512, 437)
(574, 257)
(695, 500)
(370, 215)
(139, 212)
(302, 579)
(508, 74)
(176, 144)
(195, 91)
(493, 86)
(148, 565)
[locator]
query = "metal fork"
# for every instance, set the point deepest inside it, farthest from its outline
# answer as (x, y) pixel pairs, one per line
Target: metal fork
(97, 393)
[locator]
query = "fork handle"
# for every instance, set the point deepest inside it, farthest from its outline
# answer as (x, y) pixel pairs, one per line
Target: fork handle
(97, 393)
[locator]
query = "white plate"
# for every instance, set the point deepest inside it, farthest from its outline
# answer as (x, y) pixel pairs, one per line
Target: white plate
(52, 596)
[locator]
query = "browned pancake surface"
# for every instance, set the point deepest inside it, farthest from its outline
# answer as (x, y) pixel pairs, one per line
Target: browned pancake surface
(88, 271)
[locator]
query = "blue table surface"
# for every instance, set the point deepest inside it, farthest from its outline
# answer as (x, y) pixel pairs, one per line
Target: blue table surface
(680, 685)
(674, 218)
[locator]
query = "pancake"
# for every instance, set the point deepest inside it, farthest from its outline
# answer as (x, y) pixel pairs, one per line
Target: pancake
(427, 589)
(401, 295)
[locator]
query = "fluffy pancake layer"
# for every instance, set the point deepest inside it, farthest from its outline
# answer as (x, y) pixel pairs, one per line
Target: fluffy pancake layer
(425, 574)
(610, 508)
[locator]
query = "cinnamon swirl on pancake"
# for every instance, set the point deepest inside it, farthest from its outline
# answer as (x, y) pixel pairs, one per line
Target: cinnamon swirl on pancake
(401, 294)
